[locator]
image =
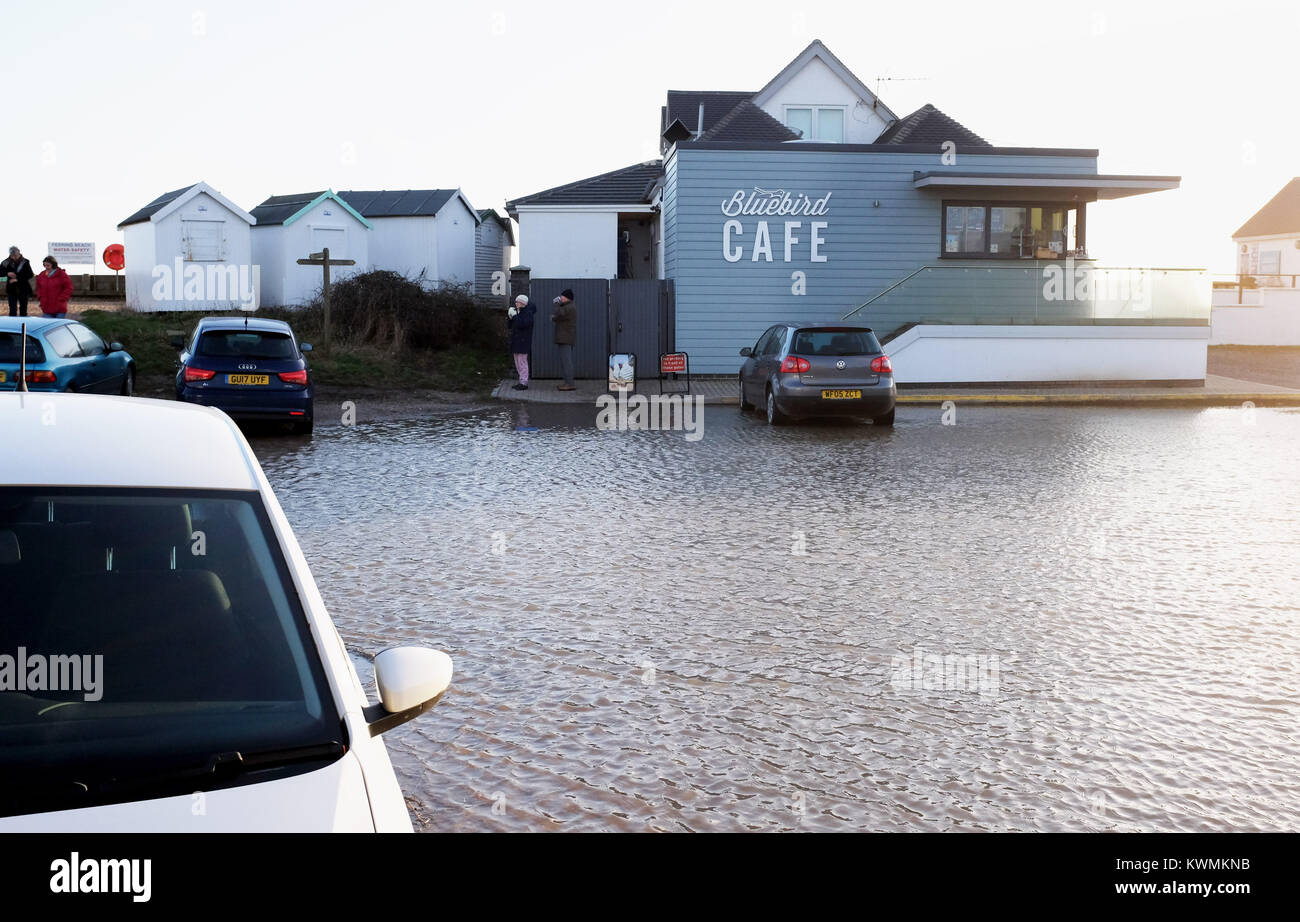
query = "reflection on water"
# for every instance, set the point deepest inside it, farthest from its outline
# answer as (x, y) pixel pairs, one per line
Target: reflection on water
(1036, 619)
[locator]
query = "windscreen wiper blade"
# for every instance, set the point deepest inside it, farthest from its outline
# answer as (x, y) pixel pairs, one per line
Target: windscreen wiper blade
(223, 765)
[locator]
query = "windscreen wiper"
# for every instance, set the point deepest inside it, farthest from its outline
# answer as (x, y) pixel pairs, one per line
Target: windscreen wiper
(222, 765)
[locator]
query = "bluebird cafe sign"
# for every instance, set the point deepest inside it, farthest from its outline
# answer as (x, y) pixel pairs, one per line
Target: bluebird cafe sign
(800, 237)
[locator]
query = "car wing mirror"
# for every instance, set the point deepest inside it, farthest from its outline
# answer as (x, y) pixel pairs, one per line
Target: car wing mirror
(747, 351)
(305, 347)
(410, 680)
(114, 347)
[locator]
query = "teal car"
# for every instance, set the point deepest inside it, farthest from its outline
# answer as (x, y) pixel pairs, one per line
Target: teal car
(63, 355)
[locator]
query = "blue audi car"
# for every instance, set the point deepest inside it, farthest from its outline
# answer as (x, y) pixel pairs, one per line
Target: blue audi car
(63, 355)
(250, 368)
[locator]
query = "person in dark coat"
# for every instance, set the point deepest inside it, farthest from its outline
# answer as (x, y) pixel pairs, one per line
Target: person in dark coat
(565, 317)
(18, 274)
(520, 321)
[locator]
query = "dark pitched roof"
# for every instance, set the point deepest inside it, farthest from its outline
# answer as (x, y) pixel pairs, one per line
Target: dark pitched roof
(148, 211)
(280, 208)
(747, 122)
(485, 214)
(927, 125)
(1280, 216)
(684, 106)
(628, 186)
(408, 204)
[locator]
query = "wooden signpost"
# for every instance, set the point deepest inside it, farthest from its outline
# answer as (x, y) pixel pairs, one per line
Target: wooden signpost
(323, 259)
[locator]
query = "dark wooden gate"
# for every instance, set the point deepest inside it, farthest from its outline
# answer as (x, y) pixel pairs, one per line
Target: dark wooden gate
(614, 315)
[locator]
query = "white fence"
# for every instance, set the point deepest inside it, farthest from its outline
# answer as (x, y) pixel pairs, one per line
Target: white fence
(1267, 317)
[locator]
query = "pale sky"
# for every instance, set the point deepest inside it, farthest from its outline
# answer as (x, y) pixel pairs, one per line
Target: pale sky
(110, 105)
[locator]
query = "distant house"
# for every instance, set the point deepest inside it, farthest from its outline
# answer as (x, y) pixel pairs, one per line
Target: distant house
(1268, 245)
(420, 233)
(292, 227)
(492, 253)
(1261, 307)
(188, 249)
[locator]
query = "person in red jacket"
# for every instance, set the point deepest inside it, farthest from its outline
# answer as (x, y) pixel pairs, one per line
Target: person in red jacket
(53, 289)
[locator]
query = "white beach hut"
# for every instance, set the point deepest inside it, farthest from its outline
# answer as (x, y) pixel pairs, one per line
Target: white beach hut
(189, 249)
(292, 227)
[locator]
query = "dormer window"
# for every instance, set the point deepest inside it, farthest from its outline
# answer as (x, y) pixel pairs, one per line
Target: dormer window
(816, 123)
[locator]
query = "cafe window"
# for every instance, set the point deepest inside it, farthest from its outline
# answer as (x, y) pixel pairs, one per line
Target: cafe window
(1021, 230)
(964, 232)
(816, 123)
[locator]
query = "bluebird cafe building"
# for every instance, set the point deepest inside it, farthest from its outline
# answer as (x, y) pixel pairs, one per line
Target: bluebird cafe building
(809, 199)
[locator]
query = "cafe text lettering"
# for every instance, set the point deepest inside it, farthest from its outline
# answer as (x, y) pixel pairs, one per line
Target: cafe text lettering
(773, 202)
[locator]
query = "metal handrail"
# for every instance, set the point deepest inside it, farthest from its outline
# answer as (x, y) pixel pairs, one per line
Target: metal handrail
(881, 294)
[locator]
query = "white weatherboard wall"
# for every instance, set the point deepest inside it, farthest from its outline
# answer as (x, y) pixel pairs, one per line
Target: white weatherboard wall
(955, 354)
(1274, 320)
(407, 246)
(457, 231)
(278, 247)
(432, 248)
(159, 243)
(569, 245)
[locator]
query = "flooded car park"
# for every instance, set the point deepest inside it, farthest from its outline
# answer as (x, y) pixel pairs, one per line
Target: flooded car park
(1033, 619)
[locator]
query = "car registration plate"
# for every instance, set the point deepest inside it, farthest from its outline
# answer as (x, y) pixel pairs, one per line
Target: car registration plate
(2, 377)
(248, 379)
(841, 395)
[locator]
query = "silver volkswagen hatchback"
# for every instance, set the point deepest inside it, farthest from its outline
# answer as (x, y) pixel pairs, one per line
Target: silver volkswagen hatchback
(801, 370)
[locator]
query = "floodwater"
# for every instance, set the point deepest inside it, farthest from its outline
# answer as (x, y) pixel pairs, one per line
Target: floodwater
(1033, 619)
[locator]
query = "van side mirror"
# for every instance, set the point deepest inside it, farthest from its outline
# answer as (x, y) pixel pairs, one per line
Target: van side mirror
(410, 680)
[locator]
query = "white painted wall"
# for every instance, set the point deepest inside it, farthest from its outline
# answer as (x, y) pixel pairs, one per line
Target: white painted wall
(817, 85)
(1248, 262)
(407, 246)
(984, 354)
(569, 245)
(1274, 320)
(278, 247)
(441, 247)
(155, 243)
(455, 231)
(138, 249)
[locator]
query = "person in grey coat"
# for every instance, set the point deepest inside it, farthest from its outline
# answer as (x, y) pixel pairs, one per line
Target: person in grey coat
(565, 317)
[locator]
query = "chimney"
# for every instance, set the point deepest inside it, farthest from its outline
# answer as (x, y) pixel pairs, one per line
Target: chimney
(699, 128)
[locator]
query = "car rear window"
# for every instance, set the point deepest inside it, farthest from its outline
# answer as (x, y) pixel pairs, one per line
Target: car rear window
(63, 342)
(178, 639)
(831, 341)
(248, 344)
(9, 349)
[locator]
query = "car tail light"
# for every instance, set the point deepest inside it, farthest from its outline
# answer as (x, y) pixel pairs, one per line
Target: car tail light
(882, 366)
(294, 377)
(198, 374)
(41, 377)
(796, 364)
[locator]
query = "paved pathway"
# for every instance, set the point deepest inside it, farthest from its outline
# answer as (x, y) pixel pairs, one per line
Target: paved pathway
(1217, 391)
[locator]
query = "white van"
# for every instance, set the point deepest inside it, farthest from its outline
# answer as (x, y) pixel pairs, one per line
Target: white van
(166, 662)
